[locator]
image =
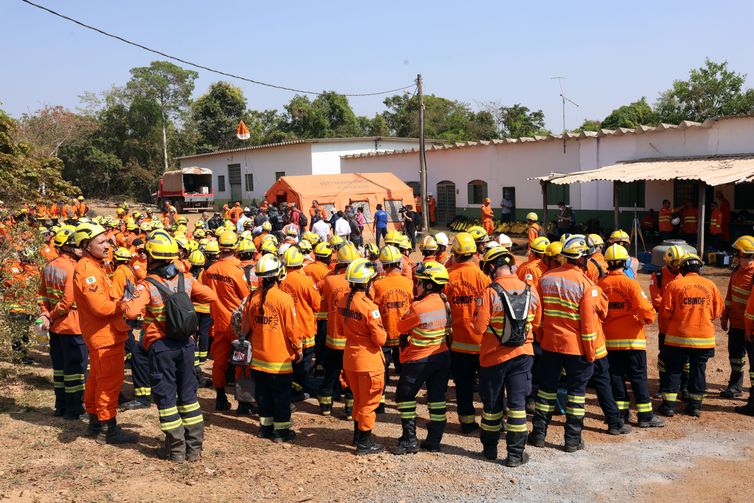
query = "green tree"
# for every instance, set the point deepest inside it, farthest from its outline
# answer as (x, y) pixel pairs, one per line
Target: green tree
(711, 91)
(635, 114)
(589, 125)
(216, 114)
(170, 86)
(518, 121)
(329, 115)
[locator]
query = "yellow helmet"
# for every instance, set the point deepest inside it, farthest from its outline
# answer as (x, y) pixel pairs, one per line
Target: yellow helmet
(336, 241)
(305, 246)
(312, 237)
(229, 225)
(293, 257)
(596, 239)
(360, 271)
(322, 250)
(181, 221)
(120, 211)
(291, 232)
(43, 230)
(497, 252)
(270, 237)
(200, 233)
(182, 242)
(87, 232)
(428, 244)
(266, 226)
(212, 248)
(390, 255)
(616, 253)
(619, 236)
(246, 246)
(228, 240)
(64, 236)
(554, 249)
(199, 224)
(565, 237)
(745, 245)
(122, 255)
(131, 226)
(539, 245)
(160, 245)
(158, 225)
(81, 198)
(145, 227)
(464, 244)
(432, 271)
(393, 237)
(268, 246)
(690, 260)
(268, 266)
(193, 245)
(674, 254)
(532, 216)
(197, 259)
(347, 253)
(478, 233)
(371, 250)
(575, 247)
(405, 244)
(245, 235)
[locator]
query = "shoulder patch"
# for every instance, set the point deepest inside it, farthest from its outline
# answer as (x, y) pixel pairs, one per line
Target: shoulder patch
(643, 294)
(90, 280)
(478, 301)
(376, 314)
(594, 292)
(528, 277)
(15, 270)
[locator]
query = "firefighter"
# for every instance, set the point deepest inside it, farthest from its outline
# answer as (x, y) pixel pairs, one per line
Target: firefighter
(393, 293)
(690, 304)
(334, 287)
(428, 249)
(620, 237)
(442, 246)
(18, 275)
(67, 347)
(407, 265)
(466, 283)
(307, 301)
(596, 266)
(665, 224)
(226, 278)
(105, 334)
(505, 367)
(533, 229)
(553, 259)
(271, 314)
(534, 268)
(733, 318)
(359, 320)
(317, 271)
(569, 340)
(629, 310)
(488, 215)
(197, 260)
(744, 249)
(170, 348)
(689, 221)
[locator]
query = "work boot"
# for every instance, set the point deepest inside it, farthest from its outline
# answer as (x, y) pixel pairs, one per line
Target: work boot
(489, 440)
(693, 410)
(435, 430)
(746, 410)
(60, 402)
(348, 408)
(652, 422)
(221, 402)
(74, 409)
(667, 409)
(573, 446)
(515, 445)
(95, 426)
(194, 435)
(380, 409)
(735, 385)
(286, 435)
(113, 434)
(469, 427)
(135, 404)
(266, 432)
(619, 429)
(731, 392)
(407, 444)
(122, 398)
(175, 445)
(366, 445)
(244, 409)
(539, 421)
(355, 433)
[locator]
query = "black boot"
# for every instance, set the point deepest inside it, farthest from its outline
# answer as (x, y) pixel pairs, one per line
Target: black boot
(735, 386)
(407, 444)
(435, 429)
(540, 420)
(135, 404)
(74, 409)
(267, 432)
(489, 439)
(355, 433)
(573, 427)
(175, 445)
(95, 426)
(59, 402)
(746, 410)
(221, 402)
(366, 445)
(194, 435)
(515, 444)
(285, 435)
(244, 409)
(113, 434)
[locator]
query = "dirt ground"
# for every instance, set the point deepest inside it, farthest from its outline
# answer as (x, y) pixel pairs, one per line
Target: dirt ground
(48, 459)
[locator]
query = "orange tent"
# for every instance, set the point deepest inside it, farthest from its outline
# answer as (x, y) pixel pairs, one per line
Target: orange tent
(364, 190)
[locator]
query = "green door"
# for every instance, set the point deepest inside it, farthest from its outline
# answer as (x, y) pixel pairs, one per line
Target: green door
(446, 202)
(234, 177)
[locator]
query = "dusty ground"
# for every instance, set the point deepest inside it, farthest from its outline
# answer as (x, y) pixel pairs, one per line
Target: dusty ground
(48, 459)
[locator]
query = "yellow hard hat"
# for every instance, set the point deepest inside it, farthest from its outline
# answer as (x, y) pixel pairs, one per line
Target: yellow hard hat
(122, 255)
(81, 198)
(390, 255)
(212, 248)
(131, 226)
(158, 225)
(478, 233)
(193, 245)
(497, 252)
(565, 237)
(619, 236)
(268, 266)
(691, 259)
(291, 232)
(229, 225)
(181, 240)
(596, 239)
(405, 244)
(161, 245)
(64, 236)
(199, 224)
(347, 253)
(616, 253)
(246, 245)
(674, 254)
(181, 221)
(312, 237)
(266, 226)
(336, 241)
(532, 216)
(245, 235)
(120, 211)
(293, 257)
(197, 259)
(200, 233)
(554, 249)
(322, 250)
(432, 271)
(270, 237)
(86, 232)
(227, 240)
(539, 245)
(464, 244)
(145, 227)
(371, 250)
(744, 244)
(393, 237)
(575, 247)
(360, 271)
(428, 244)
(305, 246)
(268, 246)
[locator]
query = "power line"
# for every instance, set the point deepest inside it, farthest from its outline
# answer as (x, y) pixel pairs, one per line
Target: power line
(202, 67)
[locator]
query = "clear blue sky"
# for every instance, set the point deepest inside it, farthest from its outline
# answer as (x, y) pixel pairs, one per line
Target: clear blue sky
(611, 52)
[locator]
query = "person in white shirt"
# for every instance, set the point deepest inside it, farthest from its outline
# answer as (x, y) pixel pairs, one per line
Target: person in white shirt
(243, 218)
(322, 229)
(342, 227)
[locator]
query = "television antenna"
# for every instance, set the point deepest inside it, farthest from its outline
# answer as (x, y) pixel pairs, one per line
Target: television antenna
(563, 99)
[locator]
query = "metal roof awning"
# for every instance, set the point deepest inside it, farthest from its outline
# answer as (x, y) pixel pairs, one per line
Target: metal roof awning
(712, 170)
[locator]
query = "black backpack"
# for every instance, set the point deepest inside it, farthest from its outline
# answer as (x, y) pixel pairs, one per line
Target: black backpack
(516, 308)
(302, 220)
(181, 321)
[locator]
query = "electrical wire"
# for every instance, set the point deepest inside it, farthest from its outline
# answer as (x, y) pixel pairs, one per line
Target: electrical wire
(203, 67)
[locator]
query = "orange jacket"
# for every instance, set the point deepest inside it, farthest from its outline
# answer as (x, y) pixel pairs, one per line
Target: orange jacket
(393, 293)
(120, 278)
(334, 286)
(139, 267)
(317, 271)
(533, 232)
(81, 209)
(596, 267)
(569, 319)
(48, 253)
(226, 278)
(56, 292)
(307, 301)
(690, 304)
(467, 282)
(69, 211)
(666, 216)
(487, 212)
(629, 310)
(531, 271)
(739, 292)
(407, 268)
(490, 313)
(200, 307)
(425, 322)
(19, 276)
(716, 222)
(657, 283)
(360, 322)
(274, 340)
(258, 240)
(689, 219)
(100, 311)
(54, 210)
(150, 299)
(235, 213)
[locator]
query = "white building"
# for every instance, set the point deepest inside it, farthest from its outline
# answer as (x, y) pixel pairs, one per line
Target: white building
(462, 174)
(245, 174)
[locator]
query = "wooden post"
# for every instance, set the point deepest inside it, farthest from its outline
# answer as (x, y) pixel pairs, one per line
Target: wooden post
(544, 184)
(616, 204)
(422, 156)
(700, 219)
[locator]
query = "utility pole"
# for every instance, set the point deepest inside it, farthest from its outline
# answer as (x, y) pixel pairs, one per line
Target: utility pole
(422, 156)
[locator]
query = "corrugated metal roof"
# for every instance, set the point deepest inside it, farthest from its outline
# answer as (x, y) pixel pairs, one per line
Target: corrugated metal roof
(712, 170)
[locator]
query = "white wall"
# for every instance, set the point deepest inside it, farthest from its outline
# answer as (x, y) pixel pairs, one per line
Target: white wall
(326, 156)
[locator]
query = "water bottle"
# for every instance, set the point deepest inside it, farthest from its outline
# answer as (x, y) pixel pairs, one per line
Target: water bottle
(43, 335)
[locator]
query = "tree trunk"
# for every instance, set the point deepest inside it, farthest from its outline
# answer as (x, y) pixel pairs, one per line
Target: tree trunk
(164, 142)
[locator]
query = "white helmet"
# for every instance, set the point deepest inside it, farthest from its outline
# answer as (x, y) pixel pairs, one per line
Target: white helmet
(676, 221)
(283, 247)
(504, 240)
(442, 239)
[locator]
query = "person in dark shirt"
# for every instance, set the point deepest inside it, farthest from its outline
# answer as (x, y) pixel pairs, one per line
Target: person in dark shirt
(410, 220)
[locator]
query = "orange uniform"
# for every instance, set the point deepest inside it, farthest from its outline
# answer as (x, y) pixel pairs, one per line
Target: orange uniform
(628, 312)
(596, 267)
(334, 286)
(466, 284)
(122, 276)
(487, 217)
(307, 301)
(716, 222)
(56, 293)
(18, 275)
(139, 268)
(105, 333)
(689, 219)
(425, 323)
(274, 339)
(533, 232)
(81, 209)
(690, 304)
(490, 313)
(48, 253)
(393, 293)
(358, 318)
(317, 271)
(531, 271)
(666, 217)
(570, 322)
(407, 267)
(657, 283)
(738, 295)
